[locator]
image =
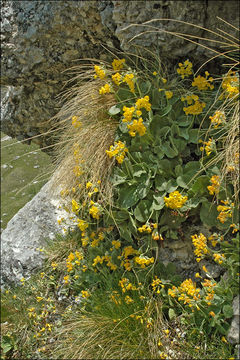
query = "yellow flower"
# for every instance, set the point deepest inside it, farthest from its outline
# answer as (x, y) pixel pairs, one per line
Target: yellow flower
(116, 244)
(75, 206)
(200, 243)
(94, 212)
(175, 200)
(116, 78)
(117, 150)
(195, 109)
(99, 72)
(143, 103)
(208, 146)
(218, 118)
(203, 83)
(105, 89)
(212, 313)
(225, 211)
(128, 78)
(185, 69)
(85, 293)
(118, 64)
(137, 126)
(214, 188)
(154, 73)
(168, 94)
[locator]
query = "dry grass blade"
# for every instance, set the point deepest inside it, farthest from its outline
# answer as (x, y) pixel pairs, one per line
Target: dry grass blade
(90, 140)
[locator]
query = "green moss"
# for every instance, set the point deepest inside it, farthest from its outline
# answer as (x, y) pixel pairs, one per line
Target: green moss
(24, 170)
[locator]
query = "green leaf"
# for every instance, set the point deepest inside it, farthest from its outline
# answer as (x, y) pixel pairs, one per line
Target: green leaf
(194, 136)
(114, 110)
(208, 214)
(171, 314)
(143, 210)
(166, 110)
(158, 202)
(124, 94)
(200, 186)
(183, 132)
(178, 170)
(168, 150)
(227, 311)
(128, 196)
(125, 233)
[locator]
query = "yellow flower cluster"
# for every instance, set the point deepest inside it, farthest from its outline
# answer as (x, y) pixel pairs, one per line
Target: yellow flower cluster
(156, 284)
(73, 259)
(208, 286)
(215, 238)
(100, 259)
(219, 258)
(200, 243)
(128, 300)
(203, 83)
(126, 285)
(143, 261)
(115, 297)
(118, 64)
(75, 206)
(128, 113)
(128, 78)
(127, 251)
(214, 188)
(116, 244)
(94, 210)
(190, 98)
(82, 224)
(208, 146)
(225, 211)
(96, 240)
(137, 126)
(85, 293)
(116, 78)
(230, 85)
(218, 118)
(195, 109)
(99, 72)
(175, 200)
(145, 228)
(186, 292)
(75, 122)
(117, 150)
(185, 69)
(168, 94)
(105, 89)
(143, 103)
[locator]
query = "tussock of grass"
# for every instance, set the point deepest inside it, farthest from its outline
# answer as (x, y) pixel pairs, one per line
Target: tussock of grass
(93, 137)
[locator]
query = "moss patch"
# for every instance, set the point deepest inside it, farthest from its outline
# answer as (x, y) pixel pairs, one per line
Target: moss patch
(24, 170)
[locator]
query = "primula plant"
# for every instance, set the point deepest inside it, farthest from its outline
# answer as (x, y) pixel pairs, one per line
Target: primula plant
(168, 174)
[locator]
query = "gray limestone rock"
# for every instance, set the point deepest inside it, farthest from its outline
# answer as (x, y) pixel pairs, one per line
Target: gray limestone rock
(27, 231)
(233, 334)
(41, 39)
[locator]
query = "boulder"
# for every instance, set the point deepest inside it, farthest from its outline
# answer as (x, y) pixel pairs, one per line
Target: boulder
(233, 334)
(27, 232)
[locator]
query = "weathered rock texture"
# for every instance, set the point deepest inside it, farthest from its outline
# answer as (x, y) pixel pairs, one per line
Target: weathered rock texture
(233, 334)
(41, 39)
(27, 231)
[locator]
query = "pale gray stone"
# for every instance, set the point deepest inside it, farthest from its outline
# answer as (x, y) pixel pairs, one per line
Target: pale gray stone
(28, 230)
(233, 334)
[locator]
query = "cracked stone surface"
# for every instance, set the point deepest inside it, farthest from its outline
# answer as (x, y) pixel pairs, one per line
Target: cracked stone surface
(41, 39)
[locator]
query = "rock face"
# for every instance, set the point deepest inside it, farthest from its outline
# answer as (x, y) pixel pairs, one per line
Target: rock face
(233, 334)
(41, 39)
(26, 232)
